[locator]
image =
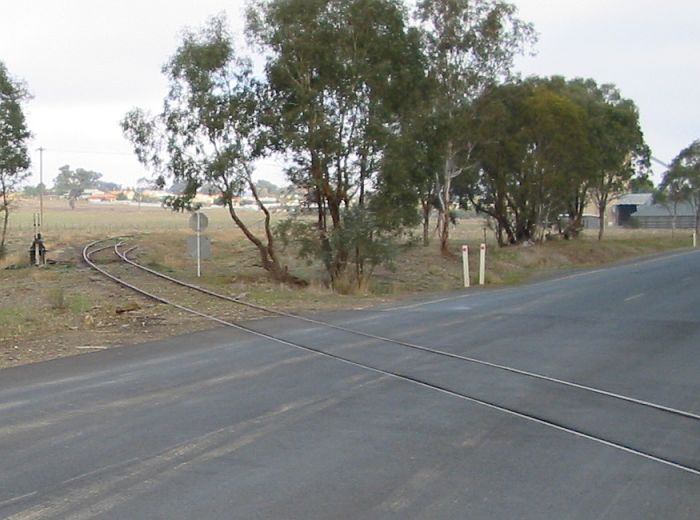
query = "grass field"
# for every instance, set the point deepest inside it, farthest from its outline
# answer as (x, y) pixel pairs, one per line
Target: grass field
(65, 309)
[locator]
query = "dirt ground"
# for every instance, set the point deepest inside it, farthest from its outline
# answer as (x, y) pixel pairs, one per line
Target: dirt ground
(65, 308)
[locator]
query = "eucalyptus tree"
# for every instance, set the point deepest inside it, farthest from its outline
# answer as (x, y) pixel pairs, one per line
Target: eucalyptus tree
(670, 194)
(489, 183)
(548, 146)
(617, 143)
(207, 132)
(72, 183)
(338, 74)
(531, 154)
(470, 45)
(684, 178)
(14, 137)
(642, 183)
(407, 177)
(560, 156)
(411, 158)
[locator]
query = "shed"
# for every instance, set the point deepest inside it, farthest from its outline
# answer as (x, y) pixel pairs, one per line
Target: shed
(628, 204)
(659, 216)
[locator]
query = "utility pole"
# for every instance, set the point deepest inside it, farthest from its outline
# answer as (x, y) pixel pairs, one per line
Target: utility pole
(41, 186)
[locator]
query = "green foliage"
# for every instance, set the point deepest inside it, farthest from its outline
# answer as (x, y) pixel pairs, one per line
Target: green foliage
(618, 148)
(293, 233)
(209, 132)
(107, 186)
(406, 186)
(532, 142)
(267, 189)
(206, 133)
(682, 181)
(544, 146)
(641, 183)
(74, 182)
(33, 191)
(339, 73)
(469, 46)
(14, 137)
(370, 242)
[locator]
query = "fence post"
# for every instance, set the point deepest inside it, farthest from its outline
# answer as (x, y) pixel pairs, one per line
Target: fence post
(482, 264)
(465, 265)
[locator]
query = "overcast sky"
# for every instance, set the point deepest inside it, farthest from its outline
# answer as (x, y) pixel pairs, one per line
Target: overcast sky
(87, 62)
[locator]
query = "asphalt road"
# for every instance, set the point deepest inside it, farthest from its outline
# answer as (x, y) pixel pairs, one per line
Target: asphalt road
(223, 425)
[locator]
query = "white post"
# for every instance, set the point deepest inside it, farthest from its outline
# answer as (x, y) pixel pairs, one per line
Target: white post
(482, 264)
(465, 265)
(695, 240)
(199, 247)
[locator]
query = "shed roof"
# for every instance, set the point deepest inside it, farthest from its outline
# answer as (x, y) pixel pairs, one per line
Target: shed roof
(635, 199)
(658, 210)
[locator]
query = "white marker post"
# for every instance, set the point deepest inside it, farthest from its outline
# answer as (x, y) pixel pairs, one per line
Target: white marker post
(199, 245)
(465, 265)
(482, 264)
(695, 240)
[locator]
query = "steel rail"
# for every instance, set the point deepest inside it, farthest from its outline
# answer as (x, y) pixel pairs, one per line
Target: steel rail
(675, 411)
(401, 377)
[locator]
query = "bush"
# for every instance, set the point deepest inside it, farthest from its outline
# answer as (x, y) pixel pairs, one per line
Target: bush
(633, 223)
(350, 252)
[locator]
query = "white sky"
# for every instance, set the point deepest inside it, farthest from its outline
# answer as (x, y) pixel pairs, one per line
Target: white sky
(87, 62)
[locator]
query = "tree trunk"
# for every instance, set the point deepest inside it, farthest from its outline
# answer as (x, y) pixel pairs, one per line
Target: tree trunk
(673, 220)
(445, 234)
(267, 253)
(426, 222)
(6, 215)
(444, 198)
(5, 219)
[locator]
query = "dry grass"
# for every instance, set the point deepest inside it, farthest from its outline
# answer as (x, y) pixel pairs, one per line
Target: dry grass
(45, 313)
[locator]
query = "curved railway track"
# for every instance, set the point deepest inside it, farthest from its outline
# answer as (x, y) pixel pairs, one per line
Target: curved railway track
(123, 256)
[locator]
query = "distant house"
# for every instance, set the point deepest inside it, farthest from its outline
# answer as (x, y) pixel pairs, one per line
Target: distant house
(590, 221)
(102, 197)
(155, 194)
(90, 193)
(206, 199)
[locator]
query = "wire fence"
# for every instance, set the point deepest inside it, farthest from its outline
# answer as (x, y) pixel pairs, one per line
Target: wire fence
(116, 225)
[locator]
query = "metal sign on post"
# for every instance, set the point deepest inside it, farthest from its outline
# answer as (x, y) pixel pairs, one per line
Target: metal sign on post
(204, 247)
(199, 222)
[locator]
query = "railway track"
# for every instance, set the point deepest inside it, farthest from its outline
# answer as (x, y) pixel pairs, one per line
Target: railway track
(658, 415)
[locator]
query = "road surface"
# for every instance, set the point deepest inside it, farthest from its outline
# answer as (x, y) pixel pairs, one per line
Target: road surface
(222, 425)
